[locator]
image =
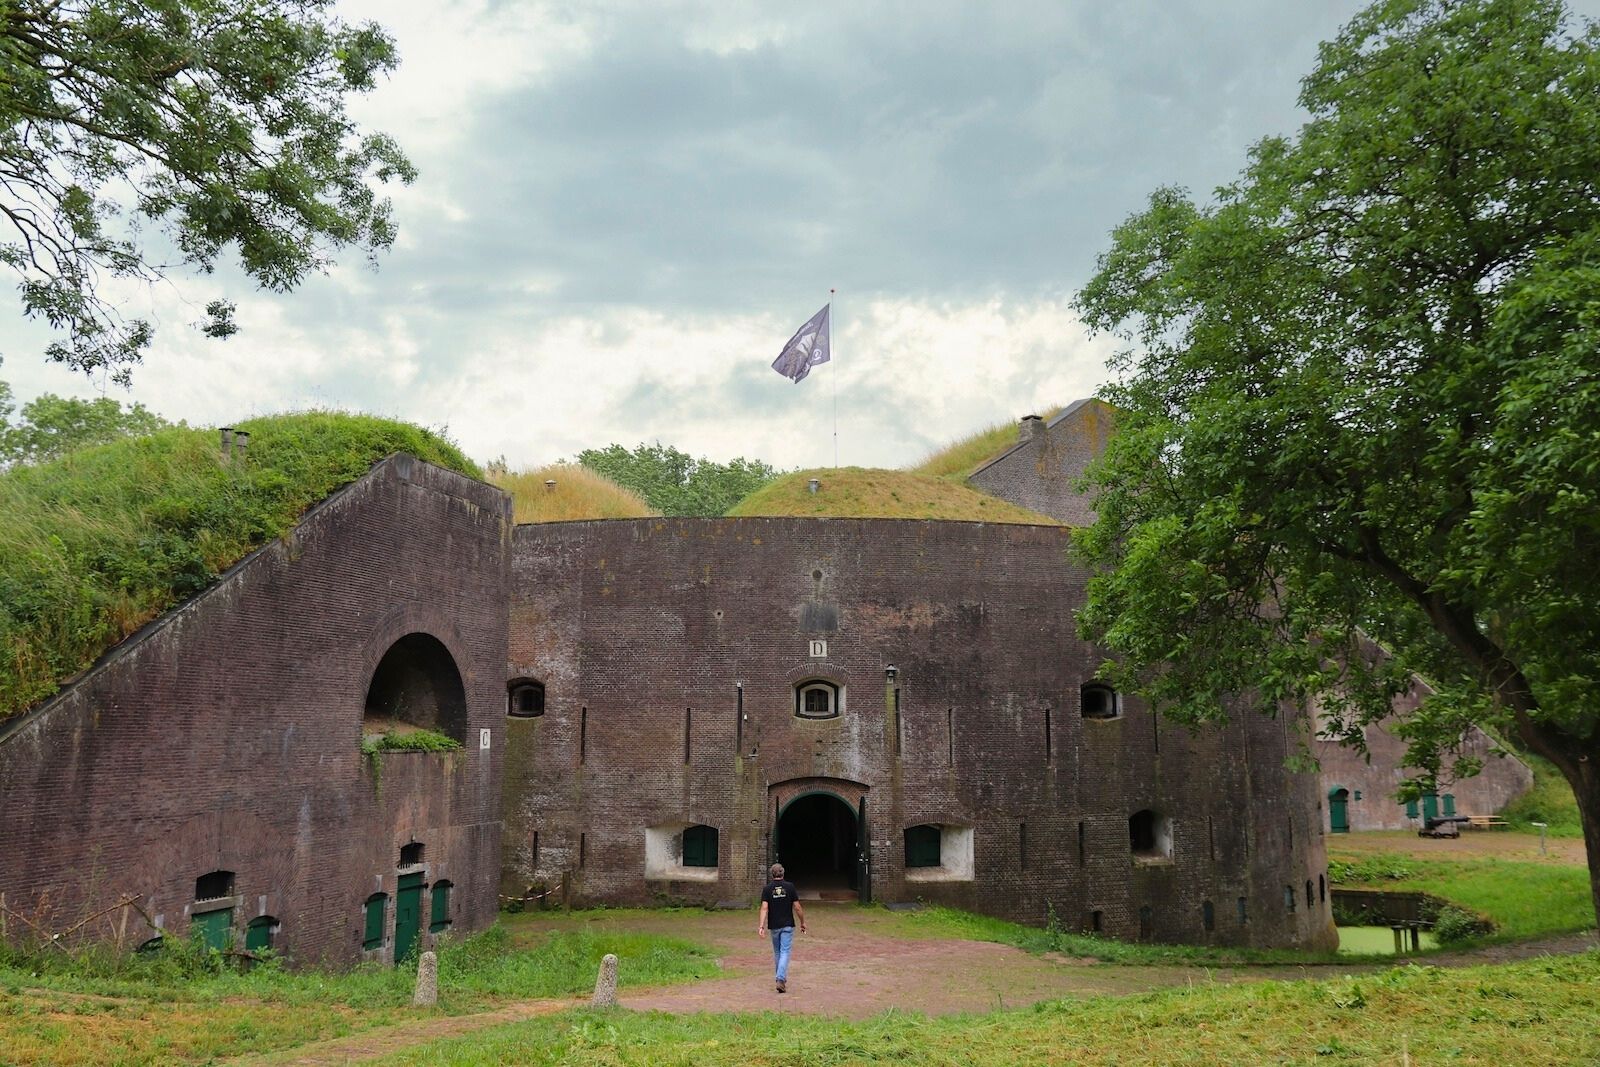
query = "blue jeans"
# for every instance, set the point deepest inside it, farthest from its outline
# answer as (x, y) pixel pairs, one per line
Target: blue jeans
(781, 940)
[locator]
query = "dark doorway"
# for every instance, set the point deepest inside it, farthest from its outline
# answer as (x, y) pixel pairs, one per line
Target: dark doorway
(416, 686)
(816, 837)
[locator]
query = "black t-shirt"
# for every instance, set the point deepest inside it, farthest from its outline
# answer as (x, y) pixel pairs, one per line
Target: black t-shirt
(779, 898)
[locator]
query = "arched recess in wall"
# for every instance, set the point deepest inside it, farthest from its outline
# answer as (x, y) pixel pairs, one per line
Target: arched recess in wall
(416, 686)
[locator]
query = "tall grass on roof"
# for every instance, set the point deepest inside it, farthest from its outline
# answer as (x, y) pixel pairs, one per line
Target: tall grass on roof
(960, 459)
(579, 493)
(864, 493)
(101, 541)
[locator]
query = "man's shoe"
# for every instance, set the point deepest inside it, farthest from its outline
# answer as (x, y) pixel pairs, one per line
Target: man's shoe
(783, 987)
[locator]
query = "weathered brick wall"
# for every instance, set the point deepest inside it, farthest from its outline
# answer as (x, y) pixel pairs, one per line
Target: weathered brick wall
(227, 735)
(1042, 472)
(635, 625)
(1504, 777)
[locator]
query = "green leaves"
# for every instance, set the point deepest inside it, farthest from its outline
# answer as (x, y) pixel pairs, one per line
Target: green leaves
(1360, 413)
(674, 483)
(225, 123)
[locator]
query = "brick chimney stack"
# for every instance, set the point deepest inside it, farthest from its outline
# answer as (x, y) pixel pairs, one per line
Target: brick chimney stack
(1030, 427)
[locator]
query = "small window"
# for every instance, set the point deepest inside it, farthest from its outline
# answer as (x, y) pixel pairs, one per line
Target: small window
(816, 700)
(258, 933)
(1146, 923)
(922, 846)
(1150, 835)
(1449, 803)
(439, 917)
(1311, 897)
(1322, 887)
(1097, 921)
(700, 846)
(411, 855)
(525, 699)
(1208, 916)
(1099, 701)
(1244, 911)
(1411, 809)
(1288, 898)
(376, 905)
(214, 886)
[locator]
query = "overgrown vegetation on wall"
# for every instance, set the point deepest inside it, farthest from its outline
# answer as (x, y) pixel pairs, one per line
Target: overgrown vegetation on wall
(579, 493)
(674, 482)
(861, 493)
(99, 542)
(959, 459)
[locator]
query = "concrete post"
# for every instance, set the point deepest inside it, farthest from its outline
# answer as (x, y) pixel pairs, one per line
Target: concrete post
(427, 993)
(605, 983)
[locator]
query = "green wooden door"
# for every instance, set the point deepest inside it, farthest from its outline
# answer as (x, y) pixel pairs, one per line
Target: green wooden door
(407, 915)
(213, 928)
(1338, 811)
(1430, 808)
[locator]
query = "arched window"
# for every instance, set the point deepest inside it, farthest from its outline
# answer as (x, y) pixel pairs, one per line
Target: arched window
(700, 846)
(439, 916)
(258, 933)
(1150, 836)
(416, 685)
(525, 699)
(411, 855)
(1288, 898)
(377, 904)
(816, 699)
(922, 846)
(1099, 701)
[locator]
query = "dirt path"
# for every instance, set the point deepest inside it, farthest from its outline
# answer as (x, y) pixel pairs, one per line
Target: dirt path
(855, 963)
(1472, 844)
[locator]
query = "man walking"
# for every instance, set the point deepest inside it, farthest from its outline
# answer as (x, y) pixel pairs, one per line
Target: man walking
(780, 909)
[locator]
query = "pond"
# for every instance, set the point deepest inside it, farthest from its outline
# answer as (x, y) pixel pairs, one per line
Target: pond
(1376, 940)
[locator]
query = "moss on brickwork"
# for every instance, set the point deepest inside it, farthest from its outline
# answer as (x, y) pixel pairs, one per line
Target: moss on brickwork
(99, 542)
(862, 493)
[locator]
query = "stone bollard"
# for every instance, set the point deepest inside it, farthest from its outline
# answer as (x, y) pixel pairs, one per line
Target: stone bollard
(427, 993)
(605, 984)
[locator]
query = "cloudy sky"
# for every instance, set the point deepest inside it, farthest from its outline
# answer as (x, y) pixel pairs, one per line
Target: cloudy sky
(626, 208)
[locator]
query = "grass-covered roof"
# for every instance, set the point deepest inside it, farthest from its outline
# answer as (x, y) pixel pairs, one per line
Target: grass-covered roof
(101, 541)
(863, 493)
(578, 493)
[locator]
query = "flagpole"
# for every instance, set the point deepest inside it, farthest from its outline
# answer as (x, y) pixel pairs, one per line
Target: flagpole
(834, 378)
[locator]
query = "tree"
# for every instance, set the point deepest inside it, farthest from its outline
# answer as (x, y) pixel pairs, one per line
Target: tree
(1360, 409)
(674, 483)
(222, 123)
(52, 426)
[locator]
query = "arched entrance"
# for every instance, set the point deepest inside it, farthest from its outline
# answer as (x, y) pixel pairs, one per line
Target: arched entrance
(817, 840)
(416, 686)
(1339, 810)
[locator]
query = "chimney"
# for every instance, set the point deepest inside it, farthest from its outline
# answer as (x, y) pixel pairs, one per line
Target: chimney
(812, 485)
(241, 441)
(1030, 427)
(227, 443)
(549, 484)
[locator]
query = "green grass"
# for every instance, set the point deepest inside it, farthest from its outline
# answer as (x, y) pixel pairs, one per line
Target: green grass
(1542, 1011)
(960, 459)
(1524, 900)
(99, 542)
(864, 493)
(1550, 801)
(579, 493)
(183, 1005)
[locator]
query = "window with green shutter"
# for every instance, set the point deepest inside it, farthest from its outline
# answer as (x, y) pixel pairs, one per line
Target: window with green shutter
(1411, 809)
(377, 905)
(700, 846)
(1449, 803)
(439, 917)
(922, 846)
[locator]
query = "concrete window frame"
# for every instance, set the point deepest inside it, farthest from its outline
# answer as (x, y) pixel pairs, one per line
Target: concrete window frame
(663, 855)
(818, 698)
(957, 861)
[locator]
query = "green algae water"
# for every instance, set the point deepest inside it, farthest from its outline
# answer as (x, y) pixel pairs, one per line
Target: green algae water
(1376, 940)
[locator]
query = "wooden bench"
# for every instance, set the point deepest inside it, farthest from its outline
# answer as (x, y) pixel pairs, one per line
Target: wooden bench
(1487, 822)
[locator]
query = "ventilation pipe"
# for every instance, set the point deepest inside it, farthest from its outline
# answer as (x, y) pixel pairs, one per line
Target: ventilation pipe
(227, 443)
(1030, 427)
(549, 485)
(812, 485)
(241, 442)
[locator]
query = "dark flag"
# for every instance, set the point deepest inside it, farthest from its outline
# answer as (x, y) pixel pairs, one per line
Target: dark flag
(807, 348)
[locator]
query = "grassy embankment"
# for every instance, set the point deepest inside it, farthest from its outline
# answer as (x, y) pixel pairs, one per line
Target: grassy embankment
(183, 1006)
(1539, 1012)
(959, 459)
(1523, 899)
(1550, 801)
(99, 542)
(864, 493)
(579, 493)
